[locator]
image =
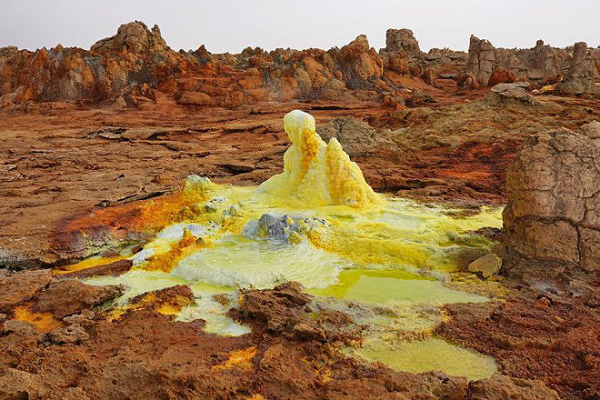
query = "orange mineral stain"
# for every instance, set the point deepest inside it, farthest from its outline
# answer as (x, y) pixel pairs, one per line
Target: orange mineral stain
(241, 359)
(43, 322)
(86, 264)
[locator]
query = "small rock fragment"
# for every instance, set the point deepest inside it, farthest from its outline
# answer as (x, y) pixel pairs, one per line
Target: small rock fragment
(73, 333)
(486, 266)
(17, 326)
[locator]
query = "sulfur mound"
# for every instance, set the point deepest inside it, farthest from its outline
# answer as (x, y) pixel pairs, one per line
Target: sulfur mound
(315, 173)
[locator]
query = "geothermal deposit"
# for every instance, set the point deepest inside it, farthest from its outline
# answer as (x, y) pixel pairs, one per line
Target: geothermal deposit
(349, 223)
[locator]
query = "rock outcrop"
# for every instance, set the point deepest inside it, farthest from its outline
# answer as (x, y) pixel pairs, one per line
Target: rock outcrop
(482, 59)
(20, 287)
(133, 37)
(68, 297)
(582, 74)
(447, 63)
(403, 57)
(134, 61)
(515, 93)
(285, 310)
(552, 220)
(402, 40)
(136, 66)
(541, 64)
(356, 137)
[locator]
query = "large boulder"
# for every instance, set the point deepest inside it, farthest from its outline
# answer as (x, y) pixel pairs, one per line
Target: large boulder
(402, 40)
(511, 93)
(552, 220)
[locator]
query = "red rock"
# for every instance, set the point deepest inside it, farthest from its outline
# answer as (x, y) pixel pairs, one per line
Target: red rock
(194, 99)
(501, 75)
(68, 297)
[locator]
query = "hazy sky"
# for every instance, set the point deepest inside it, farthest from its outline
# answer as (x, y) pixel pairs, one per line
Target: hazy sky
(231, 25)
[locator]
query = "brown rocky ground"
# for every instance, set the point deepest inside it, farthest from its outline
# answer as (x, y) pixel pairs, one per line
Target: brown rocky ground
(554, 340)
(61, 161)
(290, 354)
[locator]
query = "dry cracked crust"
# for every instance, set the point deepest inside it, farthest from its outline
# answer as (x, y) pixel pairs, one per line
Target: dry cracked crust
(552, 220)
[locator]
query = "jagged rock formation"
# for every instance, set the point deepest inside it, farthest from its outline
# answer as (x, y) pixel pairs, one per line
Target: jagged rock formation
(360, 64)
(136, 61)
(136, 66)
(582, 74)
(133, 37)
(446, 62)
(482, 59)
(401, 46)
(402, 56)
(402, 40)
(541, 63)
(552, 220)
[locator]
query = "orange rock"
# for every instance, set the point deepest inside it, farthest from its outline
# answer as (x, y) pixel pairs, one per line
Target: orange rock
(501, 75)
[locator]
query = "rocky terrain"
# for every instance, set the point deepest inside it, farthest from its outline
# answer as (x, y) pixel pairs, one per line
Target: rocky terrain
(136, 66)
(88, 136)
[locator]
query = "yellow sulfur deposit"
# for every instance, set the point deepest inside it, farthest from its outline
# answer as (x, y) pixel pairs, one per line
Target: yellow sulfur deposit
(320, 224)
(430, 355)
(316, 174)
(241, 359)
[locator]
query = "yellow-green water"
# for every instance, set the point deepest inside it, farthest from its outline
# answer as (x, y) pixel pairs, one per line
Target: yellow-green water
(430, 355)
(393, 257)
(391, 286)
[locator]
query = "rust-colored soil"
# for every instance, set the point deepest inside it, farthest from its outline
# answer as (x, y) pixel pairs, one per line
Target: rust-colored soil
(557, 341)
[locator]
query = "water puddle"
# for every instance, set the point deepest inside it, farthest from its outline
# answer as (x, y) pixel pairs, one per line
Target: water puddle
(429, 355)
(384, 287)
